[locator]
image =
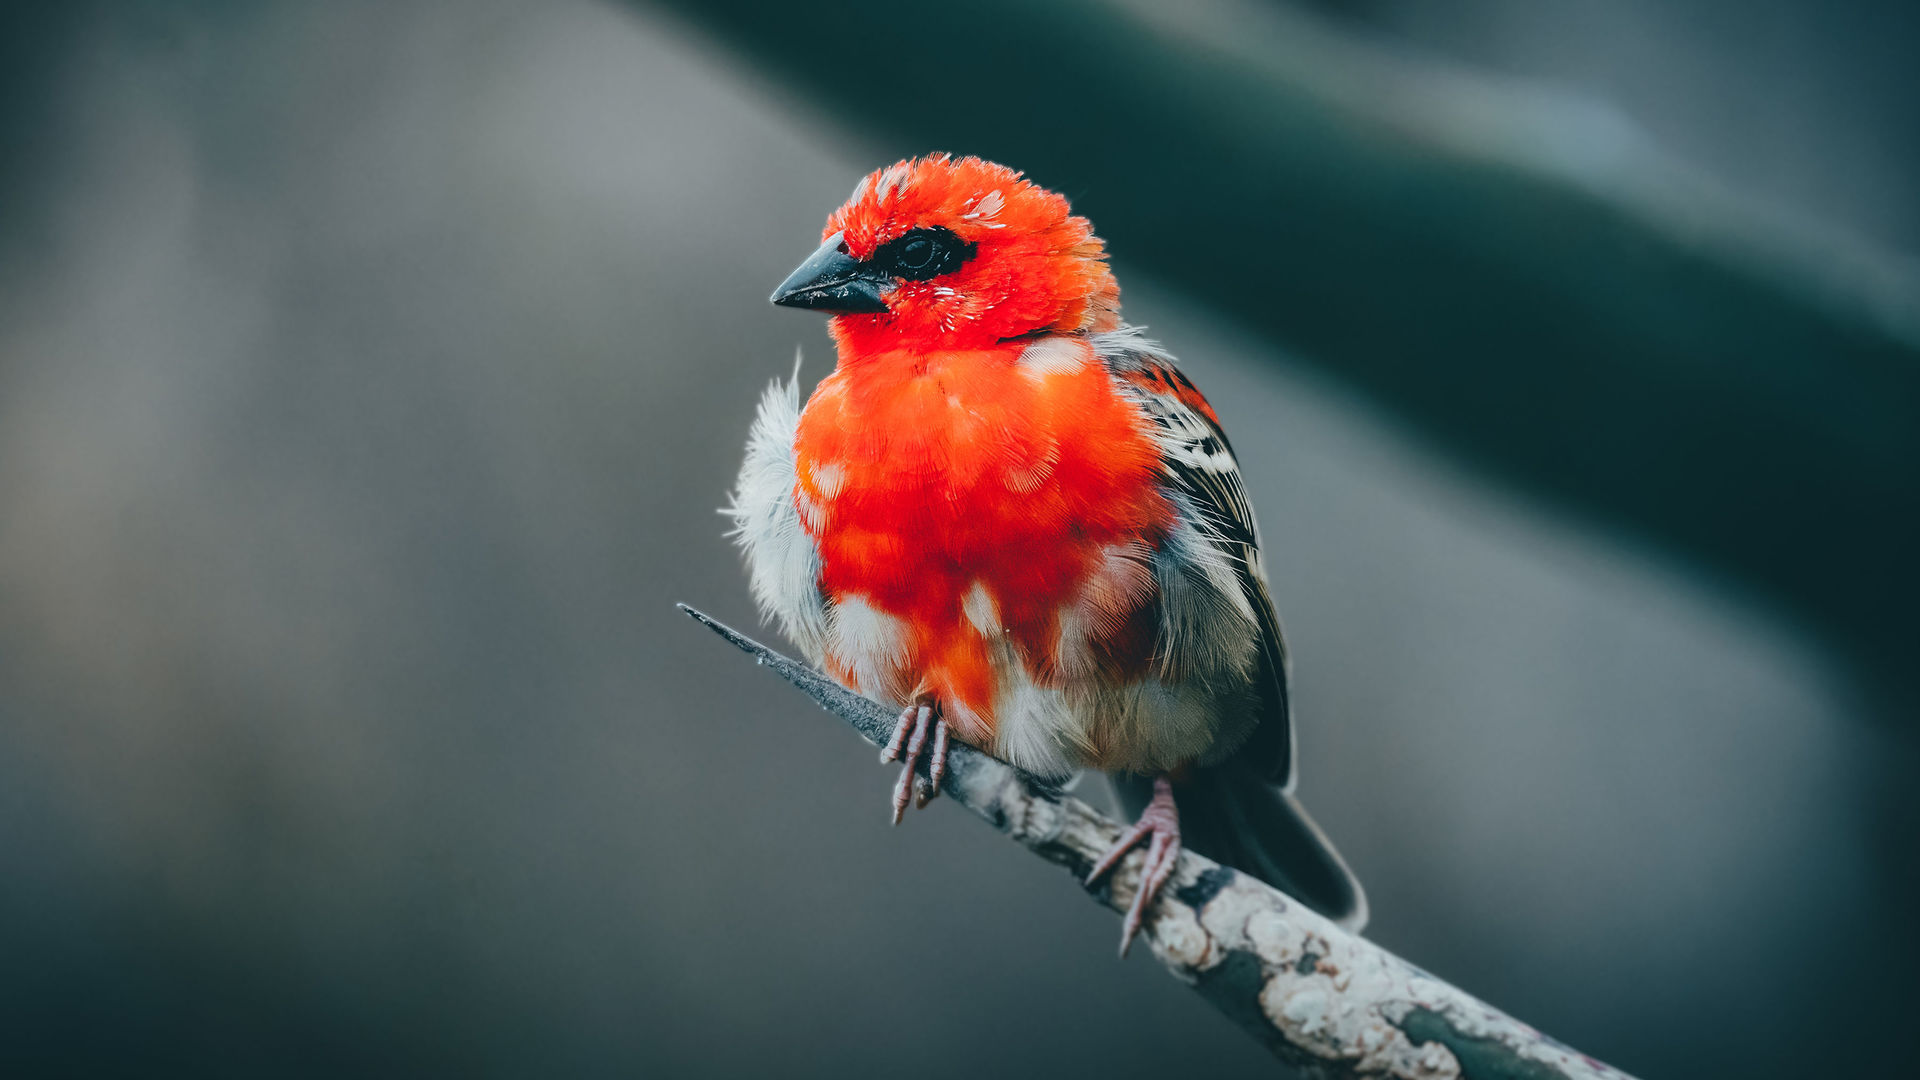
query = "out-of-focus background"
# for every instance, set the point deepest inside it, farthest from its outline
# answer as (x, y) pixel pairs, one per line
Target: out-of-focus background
(370, 373)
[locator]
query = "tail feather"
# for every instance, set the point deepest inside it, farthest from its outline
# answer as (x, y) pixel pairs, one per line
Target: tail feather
(1233, 815)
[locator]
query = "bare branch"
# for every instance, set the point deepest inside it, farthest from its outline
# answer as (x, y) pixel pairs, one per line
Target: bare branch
(1325, 1002)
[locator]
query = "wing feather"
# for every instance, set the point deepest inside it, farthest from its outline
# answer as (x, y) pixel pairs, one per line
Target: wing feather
(1204, 477)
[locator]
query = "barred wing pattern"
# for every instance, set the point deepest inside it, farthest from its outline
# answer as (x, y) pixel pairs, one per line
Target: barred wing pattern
(1204, 481)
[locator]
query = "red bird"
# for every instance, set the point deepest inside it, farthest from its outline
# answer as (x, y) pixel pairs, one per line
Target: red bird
(1011, 516)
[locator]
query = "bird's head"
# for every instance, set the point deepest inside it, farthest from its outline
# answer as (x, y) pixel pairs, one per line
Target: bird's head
(943, 252)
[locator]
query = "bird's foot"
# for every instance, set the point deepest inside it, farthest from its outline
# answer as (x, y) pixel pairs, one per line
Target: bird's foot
(919, 726)
(1161, 821)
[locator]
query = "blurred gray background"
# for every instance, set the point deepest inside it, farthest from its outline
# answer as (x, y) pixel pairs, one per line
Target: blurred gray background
(369, 375)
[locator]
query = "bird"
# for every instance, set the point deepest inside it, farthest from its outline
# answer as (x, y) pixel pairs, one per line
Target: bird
(1011, 516)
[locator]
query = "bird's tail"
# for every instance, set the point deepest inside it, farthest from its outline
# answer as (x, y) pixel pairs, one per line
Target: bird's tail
(1232, 815)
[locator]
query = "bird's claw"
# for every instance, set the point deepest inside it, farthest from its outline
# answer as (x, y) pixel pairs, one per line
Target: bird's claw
(918, 725)
(1160, 821)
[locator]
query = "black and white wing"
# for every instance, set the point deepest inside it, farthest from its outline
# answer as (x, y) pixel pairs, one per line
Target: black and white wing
(1217, 613)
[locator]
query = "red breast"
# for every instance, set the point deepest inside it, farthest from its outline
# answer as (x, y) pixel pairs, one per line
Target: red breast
(948, 487)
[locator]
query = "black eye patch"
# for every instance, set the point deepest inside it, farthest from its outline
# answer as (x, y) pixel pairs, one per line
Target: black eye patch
(923, 254)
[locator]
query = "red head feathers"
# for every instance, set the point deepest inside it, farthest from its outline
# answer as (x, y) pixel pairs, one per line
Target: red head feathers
(943, 252)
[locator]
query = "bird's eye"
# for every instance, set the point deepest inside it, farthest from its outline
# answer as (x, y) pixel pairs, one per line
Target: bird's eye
(916, 254)
(924, 253)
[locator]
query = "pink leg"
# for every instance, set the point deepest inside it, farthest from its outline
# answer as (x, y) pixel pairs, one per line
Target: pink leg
(1161, 821)
(916, 726)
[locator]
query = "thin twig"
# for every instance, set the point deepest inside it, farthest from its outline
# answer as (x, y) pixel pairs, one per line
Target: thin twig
(1325, 1002)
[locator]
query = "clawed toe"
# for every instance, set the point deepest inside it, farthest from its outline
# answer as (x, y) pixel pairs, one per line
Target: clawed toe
(918, 726)
(1160, 822)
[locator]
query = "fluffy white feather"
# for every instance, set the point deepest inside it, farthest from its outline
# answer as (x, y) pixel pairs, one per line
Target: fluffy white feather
(783, 564)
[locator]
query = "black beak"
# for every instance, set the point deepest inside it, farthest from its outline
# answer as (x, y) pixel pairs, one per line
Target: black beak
(833, 281)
